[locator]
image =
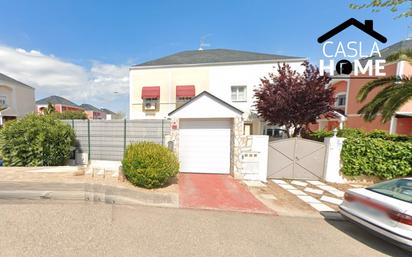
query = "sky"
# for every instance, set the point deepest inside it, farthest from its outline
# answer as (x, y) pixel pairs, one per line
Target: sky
(82, 49)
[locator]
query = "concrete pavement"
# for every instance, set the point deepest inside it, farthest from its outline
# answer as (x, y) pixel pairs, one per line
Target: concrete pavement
(86, 191)
(95, 229)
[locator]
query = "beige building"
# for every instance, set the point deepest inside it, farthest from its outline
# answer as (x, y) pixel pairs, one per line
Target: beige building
(160, 86)
(16, 99)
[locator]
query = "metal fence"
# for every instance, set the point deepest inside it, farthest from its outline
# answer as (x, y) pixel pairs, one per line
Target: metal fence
(107, 139)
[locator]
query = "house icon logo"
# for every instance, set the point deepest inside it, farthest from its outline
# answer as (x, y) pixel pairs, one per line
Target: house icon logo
(352, 51)
(366, 27)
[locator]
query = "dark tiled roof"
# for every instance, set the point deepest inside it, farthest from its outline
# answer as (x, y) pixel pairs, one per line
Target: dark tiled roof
(214, 56)
(12, 80)
(107, 111)
(54, 99)
(89, 107)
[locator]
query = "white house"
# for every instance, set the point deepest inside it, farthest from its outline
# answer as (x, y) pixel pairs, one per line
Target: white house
(158, 87)
(16, 99)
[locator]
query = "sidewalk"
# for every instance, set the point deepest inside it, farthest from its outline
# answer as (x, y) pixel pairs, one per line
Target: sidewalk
(23, 183)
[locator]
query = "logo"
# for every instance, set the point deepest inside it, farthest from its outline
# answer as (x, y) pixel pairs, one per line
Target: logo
(354, 50)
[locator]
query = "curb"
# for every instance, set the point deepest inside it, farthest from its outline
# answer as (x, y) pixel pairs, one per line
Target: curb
(91, 192)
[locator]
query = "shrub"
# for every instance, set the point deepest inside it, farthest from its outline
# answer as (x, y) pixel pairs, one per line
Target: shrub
(149, 165)
(318, 135)
(346, 132)
(36, 140)
(69, 115)
(351, 132)
(376, 157)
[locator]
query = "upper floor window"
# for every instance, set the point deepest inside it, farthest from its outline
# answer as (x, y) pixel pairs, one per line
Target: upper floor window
(3, 101)
(184, 94)
(151, 96)
(238, 93)
(181, 100)
(340, 100)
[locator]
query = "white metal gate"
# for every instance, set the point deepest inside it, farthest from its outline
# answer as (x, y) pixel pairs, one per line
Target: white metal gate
(296, 158)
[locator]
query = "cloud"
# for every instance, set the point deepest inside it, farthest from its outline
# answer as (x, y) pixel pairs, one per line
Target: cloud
(53, 76)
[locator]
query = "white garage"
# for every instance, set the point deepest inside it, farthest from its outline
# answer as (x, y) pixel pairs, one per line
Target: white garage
(205, 126)
(204, 145)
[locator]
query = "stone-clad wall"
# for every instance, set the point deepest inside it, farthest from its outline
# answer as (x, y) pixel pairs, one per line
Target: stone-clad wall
(237, 145)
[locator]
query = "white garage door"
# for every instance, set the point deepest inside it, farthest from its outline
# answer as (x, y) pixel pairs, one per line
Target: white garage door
(204, 145)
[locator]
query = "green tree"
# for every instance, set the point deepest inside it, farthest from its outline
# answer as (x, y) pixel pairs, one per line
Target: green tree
(404, 7)
(50, 109)
(395, 92)
(69, 115)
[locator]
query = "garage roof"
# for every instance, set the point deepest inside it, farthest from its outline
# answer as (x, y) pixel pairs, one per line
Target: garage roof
(207, 112)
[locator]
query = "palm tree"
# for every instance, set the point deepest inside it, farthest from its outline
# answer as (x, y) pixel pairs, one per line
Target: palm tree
(396, 91)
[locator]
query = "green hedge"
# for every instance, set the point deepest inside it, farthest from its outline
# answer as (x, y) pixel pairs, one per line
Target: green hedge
(376, 157)
(374, 153)
(36, 140)
(353, 132)
(149, 165)
(69, 115)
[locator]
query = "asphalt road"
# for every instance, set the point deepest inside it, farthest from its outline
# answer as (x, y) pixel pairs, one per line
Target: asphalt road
(97, 229)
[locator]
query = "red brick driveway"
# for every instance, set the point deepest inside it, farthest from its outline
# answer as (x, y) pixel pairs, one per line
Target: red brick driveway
(217, 192)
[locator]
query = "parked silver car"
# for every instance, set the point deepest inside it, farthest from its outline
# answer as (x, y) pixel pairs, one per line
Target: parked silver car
(384, 208)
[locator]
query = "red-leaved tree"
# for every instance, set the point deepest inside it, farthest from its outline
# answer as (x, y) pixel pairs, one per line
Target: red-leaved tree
(293, 99)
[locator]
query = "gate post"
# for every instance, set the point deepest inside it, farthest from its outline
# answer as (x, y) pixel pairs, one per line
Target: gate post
(124, 136)
(88, 139)
(332, 160)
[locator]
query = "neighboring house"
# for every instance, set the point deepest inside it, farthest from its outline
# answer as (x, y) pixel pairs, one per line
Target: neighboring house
(347, 90)
(111, 115)
(158, 87)
(60, 104)
(93, 113)
(16, 98)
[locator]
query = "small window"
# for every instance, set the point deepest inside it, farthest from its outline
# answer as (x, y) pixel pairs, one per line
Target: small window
(238, 93)
(3, 101)
(340, 101)
(181, 100)
(150, 104)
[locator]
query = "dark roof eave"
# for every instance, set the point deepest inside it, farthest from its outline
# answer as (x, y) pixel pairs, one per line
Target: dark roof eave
(143, 66)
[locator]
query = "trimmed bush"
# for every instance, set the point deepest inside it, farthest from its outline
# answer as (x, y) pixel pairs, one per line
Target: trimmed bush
(69, 115)
(376, 157)
(346, 132)
(149, 165)
(375, 153)
(36, 140)
(357, 133)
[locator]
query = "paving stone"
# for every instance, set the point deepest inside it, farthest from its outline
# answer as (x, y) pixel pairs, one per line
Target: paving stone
(331, 200)
(313, 191)
(332, 190)
(337, 193)
(278, 181)
(253, 183)
(299, 183)
(308, 199)
(327, 188)
(321, 207)
(316, 182)
(287, 186)
(297, 192)
(268, 196)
